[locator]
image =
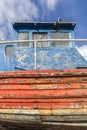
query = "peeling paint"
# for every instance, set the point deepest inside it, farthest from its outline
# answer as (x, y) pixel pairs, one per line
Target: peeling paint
(43, 96)
(49, 58)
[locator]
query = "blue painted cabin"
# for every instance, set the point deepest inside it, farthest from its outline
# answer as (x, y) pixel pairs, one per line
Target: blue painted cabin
(50, 55)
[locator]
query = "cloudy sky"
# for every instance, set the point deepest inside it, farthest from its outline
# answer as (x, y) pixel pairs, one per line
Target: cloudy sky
(43, 10)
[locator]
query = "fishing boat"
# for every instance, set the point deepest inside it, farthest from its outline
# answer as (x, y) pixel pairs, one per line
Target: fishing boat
(43, 78)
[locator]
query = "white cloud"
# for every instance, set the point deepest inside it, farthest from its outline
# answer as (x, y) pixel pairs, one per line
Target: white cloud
(15, 10)
(22, 10)
(28, 10)
(50, 4)
(83, 50)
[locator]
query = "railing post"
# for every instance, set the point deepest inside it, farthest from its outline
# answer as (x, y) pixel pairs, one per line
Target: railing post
(35, 55)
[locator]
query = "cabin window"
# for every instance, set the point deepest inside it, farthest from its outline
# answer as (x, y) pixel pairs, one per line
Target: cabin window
(60, 35)
(9, 50)
(41, 35)
(23, 36)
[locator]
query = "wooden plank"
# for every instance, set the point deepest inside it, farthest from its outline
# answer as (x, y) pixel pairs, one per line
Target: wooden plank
(64, 118)
(43, 86)
(43, 80)
(39, 100)
(44, 105)
(37, 119)
(48, 112)
(45, 73)
(44, 93)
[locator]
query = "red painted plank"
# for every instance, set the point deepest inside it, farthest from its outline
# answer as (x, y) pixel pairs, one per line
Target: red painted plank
(43, 80)
(44, 105)
(18, 87)
(59, 100)
(44, 73)
(43, 86)
(43, 93)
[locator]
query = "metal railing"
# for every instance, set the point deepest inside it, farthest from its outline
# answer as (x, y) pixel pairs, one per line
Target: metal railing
(41, 40)
(44, 40)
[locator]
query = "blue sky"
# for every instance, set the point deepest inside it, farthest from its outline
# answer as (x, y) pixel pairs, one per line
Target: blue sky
(43, 10)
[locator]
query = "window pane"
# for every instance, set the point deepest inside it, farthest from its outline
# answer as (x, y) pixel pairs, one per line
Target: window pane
(23, 36)
(41, 36)
(9, 50)
(58, 35)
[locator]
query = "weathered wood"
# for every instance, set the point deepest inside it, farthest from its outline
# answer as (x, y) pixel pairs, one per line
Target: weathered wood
(43, 93)
(39, 100)
(44, 105)
(45, 73)
(46, 80)
(37, 119)
(43, 86)
(43, 96)
(45, 112)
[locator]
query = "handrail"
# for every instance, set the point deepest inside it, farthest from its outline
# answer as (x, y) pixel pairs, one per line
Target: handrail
(41, 40)
(44, 40)
(35, 55)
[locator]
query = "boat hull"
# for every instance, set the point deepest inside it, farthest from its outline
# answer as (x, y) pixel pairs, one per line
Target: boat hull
(44, 98)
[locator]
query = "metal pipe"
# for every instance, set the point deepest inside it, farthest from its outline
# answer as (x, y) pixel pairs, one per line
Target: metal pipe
(45, 40)
(35, 55)
(62, 40)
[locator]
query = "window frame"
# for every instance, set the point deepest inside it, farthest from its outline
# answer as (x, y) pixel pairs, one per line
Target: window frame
(24, 39)
(41, 32)
(61, 31)
(12, 51)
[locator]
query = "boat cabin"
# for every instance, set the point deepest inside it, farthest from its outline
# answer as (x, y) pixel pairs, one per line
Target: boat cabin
(41, 55)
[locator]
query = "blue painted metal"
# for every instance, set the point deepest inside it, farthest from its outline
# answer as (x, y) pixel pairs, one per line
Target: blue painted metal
(53, 58)
(43, 26)
(47, 58)
(6, 63)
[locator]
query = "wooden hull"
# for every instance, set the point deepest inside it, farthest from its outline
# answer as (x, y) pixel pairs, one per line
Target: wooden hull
(44, 98)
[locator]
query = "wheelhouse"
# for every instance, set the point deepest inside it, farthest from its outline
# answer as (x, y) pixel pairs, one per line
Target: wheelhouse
(42, 51)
